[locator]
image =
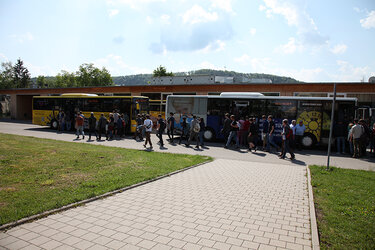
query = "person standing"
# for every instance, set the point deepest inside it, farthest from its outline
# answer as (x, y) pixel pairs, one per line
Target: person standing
(115, 119)
(286, 135)
(339, 132)
(253, 135)
(233, 132)
(79, 124)
(351, 147)
(292, 141)
(92, 126)
(264, 131)
(184, 130)
(194, 132)
(101, 126)
(201, 131)
(148, 128)
(120, 124)
(61, 118)
(271, 130)
(226, 127)
(68, 121)
(160, 129)
(170, 127)
(246, 127)
(300, 131)
(127, 123)
(365, 138)
(111, 126)
(355, 136)
(139, 128)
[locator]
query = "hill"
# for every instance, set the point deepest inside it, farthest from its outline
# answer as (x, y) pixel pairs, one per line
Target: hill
(142, 79)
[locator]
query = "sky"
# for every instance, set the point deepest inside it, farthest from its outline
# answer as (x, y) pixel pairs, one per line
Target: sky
(309, 40)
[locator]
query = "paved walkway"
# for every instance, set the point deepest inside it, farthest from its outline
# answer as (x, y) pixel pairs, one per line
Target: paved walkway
(235, 202)
(225, 204)
(303, 158)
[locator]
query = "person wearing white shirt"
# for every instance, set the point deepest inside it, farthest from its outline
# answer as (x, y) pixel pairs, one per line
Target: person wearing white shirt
(148, 127)
(299, 132)
(292, 141)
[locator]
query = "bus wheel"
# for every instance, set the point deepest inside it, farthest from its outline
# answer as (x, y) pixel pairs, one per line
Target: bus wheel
(209, 134)
(308, 140)
(54, 124)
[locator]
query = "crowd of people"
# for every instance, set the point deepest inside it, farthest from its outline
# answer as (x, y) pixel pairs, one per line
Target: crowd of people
(246, 132)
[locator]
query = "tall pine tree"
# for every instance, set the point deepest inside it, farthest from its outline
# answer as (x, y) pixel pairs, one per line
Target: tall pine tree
(21, 75)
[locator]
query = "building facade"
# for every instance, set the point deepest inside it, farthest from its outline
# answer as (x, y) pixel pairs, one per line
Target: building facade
(159, 88)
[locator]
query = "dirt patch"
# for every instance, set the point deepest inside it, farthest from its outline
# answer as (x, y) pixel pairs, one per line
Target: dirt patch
(8, 189)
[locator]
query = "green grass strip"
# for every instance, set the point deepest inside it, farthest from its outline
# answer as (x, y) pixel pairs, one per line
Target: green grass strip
(345, 204)
(38, 175)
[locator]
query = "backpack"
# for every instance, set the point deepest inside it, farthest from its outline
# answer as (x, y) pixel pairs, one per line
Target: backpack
(196, 127)
(239, 125)
(148, 126)
(162, 125)
(289, 134)
(79, 120)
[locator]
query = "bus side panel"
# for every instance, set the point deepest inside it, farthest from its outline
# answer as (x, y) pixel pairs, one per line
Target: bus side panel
(215, 122)
(42, 117)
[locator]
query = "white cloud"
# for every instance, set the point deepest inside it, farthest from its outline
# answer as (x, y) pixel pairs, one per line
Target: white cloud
(214, 46)
(3, 58)
(290, 47)
(369, 21)
(225, 5)
(253, 31)
(244, 59)
(113, 12)
(339, 49)
(165, 19)
(117, 66)
(307, 30)
(198, 15)
(36, 70)
(21, 38)
(208, 65)
(134, 4)
(149, 20)
(348, 72)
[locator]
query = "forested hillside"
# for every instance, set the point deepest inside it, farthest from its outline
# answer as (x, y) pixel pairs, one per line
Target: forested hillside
(142, 79)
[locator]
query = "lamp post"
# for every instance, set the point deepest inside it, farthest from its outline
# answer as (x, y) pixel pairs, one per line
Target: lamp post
(331, 126)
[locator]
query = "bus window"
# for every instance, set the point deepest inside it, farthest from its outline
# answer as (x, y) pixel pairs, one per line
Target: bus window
(282, 108)
(92, 105)
(218, 106)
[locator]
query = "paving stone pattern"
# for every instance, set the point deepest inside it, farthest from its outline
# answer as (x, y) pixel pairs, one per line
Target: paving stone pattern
(225, 204)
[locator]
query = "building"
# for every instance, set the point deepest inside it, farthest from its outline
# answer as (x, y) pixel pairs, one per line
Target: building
(159, 88)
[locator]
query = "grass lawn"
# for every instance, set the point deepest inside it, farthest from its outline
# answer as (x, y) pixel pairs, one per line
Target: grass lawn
(345, 204)
(37, 175)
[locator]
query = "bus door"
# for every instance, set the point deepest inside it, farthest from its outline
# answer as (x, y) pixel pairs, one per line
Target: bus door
(363, 113)
(313, 117)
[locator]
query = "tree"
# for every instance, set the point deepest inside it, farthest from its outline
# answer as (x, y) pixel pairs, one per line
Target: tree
(6, 76)
(21, 75)
(41, 82)
(88, 75)
(161, 71)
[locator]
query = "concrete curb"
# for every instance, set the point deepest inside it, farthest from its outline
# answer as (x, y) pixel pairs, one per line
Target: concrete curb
(313, 224)
(80, 203)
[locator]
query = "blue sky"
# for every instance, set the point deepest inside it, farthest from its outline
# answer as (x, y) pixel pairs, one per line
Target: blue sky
(310, 40)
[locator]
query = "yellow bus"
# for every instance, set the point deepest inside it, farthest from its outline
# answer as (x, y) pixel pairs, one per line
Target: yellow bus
(156, 107)
(47, 108)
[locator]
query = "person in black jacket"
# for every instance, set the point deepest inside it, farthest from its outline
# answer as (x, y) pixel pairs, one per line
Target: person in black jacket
(102, 123)
(226, 127)
(92, 126)
(340, 133)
